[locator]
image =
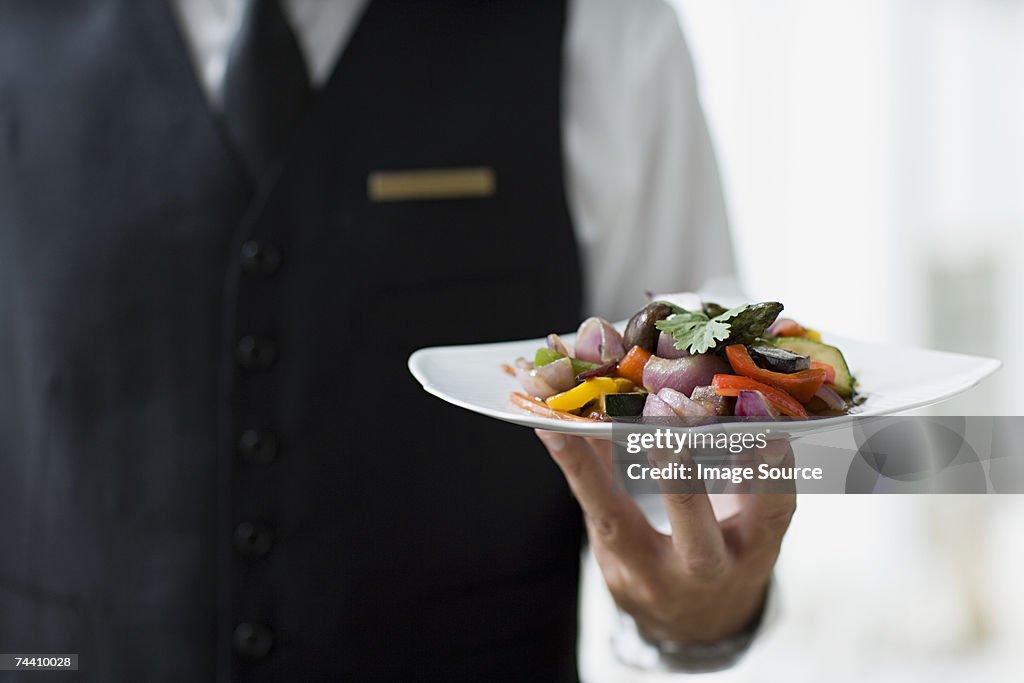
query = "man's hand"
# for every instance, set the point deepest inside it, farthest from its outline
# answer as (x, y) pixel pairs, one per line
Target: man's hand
(705, 582)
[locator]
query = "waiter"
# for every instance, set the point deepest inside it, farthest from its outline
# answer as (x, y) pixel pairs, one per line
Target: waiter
(224, 224)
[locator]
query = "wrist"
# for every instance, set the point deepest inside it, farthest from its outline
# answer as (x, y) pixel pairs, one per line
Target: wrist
(727, 615)
(638, 650)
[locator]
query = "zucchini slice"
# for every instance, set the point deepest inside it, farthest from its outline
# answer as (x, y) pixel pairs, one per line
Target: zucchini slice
(823, 353)
(624, 405)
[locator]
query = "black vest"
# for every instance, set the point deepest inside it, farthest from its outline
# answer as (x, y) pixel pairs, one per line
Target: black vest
(371, 531)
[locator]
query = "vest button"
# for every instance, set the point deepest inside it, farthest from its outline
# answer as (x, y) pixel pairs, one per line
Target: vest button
(256, 353)
(252, 640)
(259, 259)
(253, 539)
(258, 446)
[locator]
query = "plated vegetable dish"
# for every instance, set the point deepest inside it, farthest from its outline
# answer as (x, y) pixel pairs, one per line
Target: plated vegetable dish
(680, 357)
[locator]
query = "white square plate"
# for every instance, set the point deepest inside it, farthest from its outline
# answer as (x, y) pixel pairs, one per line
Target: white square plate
(893, 379)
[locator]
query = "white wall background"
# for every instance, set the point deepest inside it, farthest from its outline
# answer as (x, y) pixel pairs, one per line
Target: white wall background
(873, 158)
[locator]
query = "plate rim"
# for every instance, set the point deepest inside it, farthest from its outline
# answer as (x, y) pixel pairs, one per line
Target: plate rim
(988, 367)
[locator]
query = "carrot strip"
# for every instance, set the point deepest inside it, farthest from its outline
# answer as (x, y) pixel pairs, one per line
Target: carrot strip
(632, 365)
(532, 405)
(508, 369)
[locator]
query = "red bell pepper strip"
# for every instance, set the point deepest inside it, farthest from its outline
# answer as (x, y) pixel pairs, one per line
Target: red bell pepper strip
(830, 372)
(732, 385)
(801, 385)
(784, 327)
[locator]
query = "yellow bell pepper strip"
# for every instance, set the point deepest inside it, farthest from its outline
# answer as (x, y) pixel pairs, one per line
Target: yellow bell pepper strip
(590, 390)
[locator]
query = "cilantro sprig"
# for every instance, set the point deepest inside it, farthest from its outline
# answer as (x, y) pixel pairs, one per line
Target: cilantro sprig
(696, 332)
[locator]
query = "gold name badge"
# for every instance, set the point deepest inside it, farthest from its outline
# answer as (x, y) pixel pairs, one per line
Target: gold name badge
(431, 183)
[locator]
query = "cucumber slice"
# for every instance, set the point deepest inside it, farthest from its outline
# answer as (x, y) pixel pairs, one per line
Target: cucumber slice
(624, 405)
(823, 353)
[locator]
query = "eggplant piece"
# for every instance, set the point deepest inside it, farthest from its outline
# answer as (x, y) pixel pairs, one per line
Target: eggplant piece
(625, 405)
(640, 330)
(779, 360)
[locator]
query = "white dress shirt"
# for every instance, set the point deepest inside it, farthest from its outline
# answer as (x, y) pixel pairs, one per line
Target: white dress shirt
(642, 181)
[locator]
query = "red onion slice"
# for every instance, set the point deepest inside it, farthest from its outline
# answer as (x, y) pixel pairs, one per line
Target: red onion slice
(833, 400)
(555, 343)
(715, 404)
(754, 404)
(667, 347)
(598, 342)
(534, 385)
(682, 404)
(547, 380)
(655, 407)
(682, 374)
(559, 374)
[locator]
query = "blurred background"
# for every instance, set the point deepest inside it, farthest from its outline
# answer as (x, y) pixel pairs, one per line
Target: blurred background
(872, 153)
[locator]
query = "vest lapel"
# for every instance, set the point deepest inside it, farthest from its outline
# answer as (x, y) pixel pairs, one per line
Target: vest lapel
(160, 35)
